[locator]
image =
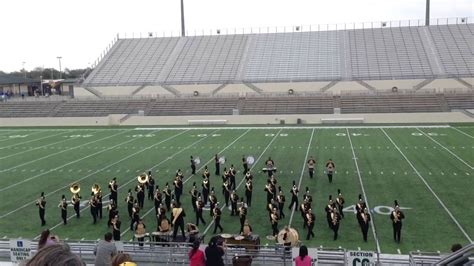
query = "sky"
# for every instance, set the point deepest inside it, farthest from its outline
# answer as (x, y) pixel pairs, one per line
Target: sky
(34, 33)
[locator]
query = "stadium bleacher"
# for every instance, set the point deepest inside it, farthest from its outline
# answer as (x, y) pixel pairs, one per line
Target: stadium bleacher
(422, 52)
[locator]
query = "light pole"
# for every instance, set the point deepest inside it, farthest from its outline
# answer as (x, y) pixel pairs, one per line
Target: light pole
(59, 58)
(24, 71)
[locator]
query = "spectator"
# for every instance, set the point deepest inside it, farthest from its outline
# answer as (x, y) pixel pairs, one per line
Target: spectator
(55, 255)
(303, 259)
(104, 251)
(122, 259)
(46, 239)
(196, 256)
(140, 232)
(214, 253)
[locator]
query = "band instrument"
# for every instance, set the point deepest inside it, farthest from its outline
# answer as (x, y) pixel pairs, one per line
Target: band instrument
(96, 188)
(143, 178)
(288, 235)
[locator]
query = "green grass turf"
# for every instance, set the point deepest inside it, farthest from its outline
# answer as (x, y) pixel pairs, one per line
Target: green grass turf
(50, 159)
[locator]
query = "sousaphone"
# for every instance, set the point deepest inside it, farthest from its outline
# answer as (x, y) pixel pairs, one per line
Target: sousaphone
(197, 160)
(143, 178)
(75, 188)
(250, 159)
(222, 160)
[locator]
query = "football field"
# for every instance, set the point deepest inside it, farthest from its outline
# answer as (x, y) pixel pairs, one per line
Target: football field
(428, 169)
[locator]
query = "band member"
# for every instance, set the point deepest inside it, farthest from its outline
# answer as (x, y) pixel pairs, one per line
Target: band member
(245, 164)
(164, 225)
(226, 192)
(63, 206)
(140, 232)
(112, 212)
(225, 176)
(178, 220)
(310, 222)
(360, 204)
(303, 210)
(218, 165)
(199, 208)
(294, 196)
(272, 180)
(93, 205)
(76, 202)
(212, 202)
(307, 196)
(311, 163)
(272, 205)
(335, 219)
(135, 216)
(179, 174)
(364, 221)
(98, 197)
(167, 193)
(234, 200)
(329, 211)
(193, 165)
(248, 176)
(274, 221)
(178, 189)
(248, 191)
(397, 216)
(140, 189)
(157, 198)
(270, 189)
(242, 215)
(270, 164)
(194, 194)
(116, 227)
(113, 190)
(161, 213)
(205, 188)
(151, 187)
(216, 214)
(330, 166)
(340, 203)
(232, 174)
(206, 173)
(193, 232)
(281, 202)
(129, 199)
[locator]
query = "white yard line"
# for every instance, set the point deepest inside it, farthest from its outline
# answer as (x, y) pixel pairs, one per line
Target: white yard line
(31, 140)
(243, 178)
(187, 179)
(462, 132)
(50, 193)
(428, 186)
(441, 145)
(295, 127)
(301, 176)
(363, 192)
(56, 153)
(29, 150)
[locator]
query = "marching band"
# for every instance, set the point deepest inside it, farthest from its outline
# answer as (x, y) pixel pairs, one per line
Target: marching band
(168, 201)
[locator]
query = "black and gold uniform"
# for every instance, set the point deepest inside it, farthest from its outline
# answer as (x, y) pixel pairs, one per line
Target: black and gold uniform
(76, 202)
(199, 208)
(178, 220)
(330, 166)
(281, 203)
(248, 191)
(397, 216)
(63, 206)
(129, 200)
(310, 220)
(194, 194)
(150, 186)
(364, 222)
(216, 214)
(274, 221)
(294, 196)
(340, 203)
(205, 189)
(335, 221)
(242, 215)
(93, 206)
(245, 164)
(116, 228)
(113, 187)
(311, 163)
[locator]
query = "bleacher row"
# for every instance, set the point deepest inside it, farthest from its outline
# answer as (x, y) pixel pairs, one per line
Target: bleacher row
(357, 54)
(294, 104)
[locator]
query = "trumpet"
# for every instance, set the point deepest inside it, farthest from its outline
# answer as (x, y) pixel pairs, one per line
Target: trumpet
(143, 178)
(96, 188)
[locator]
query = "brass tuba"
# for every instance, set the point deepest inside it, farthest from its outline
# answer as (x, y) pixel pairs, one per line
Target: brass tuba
(96, 188)
(75, 188)
(143, 178)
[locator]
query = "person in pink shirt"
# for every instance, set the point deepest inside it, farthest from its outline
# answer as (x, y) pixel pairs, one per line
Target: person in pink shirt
(303, 259)
(196, 256)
